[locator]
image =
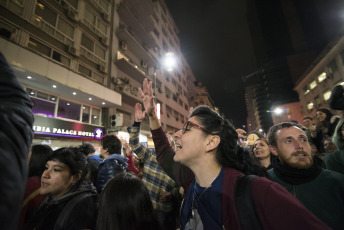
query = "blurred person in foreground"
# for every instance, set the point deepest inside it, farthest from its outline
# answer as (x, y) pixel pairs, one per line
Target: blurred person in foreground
(16, 120)
(71, 201)
(38, 157)
(209, 162)
(125, 204)
(320, 190)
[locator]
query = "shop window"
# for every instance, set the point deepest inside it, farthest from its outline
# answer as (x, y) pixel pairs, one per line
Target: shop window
(313, 84)
(42, 107)
(95, 118)
(86, 111)
(327, 95)
(69, 110)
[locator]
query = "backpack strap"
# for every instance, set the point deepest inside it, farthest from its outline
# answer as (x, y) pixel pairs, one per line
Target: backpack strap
(245, 204)
(62, 219)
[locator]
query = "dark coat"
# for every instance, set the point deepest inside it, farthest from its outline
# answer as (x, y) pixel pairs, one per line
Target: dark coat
(109, 168)
(82, 216)
(16, 120)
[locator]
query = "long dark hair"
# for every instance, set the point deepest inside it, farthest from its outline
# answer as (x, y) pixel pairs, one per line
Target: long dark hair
(125, 204)
(229, 153)
(39, 157)
(337, 137)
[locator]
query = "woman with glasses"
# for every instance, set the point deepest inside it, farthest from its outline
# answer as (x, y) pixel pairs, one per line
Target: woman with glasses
(209, 161)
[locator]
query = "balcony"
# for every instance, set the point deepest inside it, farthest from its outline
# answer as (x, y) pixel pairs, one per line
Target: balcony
(135, 46)
(143, 11)
(135, 26)
(130, 69)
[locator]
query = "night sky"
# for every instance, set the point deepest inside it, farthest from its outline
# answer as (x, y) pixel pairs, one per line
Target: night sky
(215, 41)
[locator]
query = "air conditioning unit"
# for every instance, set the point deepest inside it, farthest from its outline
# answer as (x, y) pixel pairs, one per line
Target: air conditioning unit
(116, 120)
(73, 51)
(102, 68)
(123, 45)
(72, 14)
(104, 40)
(106, 17)
(144, 64)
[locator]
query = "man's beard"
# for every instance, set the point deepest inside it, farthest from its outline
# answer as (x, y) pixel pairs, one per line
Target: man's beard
(298, 163)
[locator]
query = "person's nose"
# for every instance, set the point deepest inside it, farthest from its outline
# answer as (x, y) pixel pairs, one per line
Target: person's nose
(298, 145)
(46, 174)
(177, 134)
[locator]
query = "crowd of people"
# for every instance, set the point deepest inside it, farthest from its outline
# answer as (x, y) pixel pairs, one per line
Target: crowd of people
(208, 175)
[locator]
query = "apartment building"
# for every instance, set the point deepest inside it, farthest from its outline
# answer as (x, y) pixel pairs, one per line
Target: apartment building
(315, 86)
(83, 61)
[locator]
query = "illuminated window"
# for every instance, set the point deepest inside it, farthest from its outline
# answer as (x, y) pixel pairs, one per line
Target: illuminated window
(313, 85)
(310, 106)
(317, 100)
(322, 77)
(305, 90)
(327, 95)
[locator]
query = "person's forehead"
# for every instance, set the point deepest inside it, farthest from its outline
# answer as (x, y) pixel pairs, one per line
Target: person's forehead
(290, 131)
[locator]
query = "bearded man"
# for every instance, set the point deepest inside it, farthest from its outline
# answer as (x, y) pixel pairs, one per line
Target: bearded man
(321, 191)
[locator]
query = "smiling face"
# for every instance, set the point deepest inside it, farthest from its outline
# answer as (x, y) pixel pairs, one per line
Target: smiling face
(261, 149)
(321, 116)
(293, 148)
(191, 144)
(57, 179)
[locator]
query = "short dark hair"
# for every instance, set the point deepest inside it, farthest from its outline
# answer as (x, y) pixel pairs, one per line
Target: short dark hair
(125, 203)
(86, 148)
(74, 159)
(272, 131)
(39, 157)
(112, 144)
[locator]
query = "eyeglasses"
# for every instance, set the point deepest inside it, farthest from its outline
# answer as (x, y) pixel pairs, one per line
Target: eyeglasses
(186, 125)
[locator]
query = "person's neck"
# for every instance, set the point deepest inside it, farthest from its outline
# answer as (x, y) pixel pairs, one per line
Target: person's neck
(265, 162)
(206, 173)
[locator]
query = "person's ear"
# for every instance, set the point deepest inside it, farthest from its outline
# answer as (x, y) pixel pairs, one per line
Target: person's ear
(76, 178)
(273, 150)
(213, 142)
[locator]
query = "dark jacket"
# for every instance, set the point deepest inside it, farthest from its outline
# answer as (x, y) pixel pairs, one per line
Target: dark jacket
(336, 100)
(16, 120)
(323, 196)
(82, 216)
(272, 201)
(109, 168)
(334, 161)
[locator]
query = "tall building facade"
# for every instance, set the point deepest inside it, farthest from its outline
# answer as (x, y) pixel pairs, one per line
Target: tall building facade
(287, 35)
(82, 63)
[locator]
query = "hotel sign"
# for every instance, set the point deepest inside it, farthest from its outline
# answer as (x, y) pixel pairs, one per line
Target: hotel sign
(55, 127)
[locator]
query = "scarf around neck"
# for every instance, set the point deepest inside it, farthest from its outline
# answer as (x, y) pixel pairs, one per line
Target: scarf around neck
(295, 176)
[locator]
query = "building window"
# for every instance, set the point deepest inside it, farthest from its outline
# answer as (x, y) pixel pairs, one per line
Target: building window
(313, 84)
(305, 90)
(85, 71)
(92, 50)
(95, 119)
(310, 106)
(321, 77)
(94, 23)
(69, 110)
(317, 101)
(61, 58)
(327, 95)
(43, 104)
(332, 67)
(39, 47)
(16, 6)
(86, 111)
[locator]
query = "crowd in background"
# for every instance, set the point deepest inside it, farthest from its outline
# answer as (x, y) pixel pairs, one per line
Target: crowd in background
(298, 168)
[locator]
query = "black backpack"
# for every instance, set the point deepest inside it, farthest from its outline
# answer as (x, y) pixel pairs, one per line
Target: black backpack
(245, 204)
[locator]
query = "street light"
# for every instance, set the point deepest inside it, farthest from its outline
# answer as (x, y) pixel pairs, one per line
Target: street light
(169, 63)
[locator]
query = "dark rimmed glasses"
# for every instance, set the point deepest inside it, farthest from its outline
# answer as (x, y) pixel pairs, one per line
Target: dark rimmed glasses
(187, 123)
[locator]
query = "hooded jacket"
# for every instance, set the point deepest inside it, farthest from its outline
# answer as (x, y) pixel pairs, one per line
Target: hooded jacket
(109, 168)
